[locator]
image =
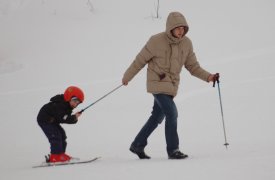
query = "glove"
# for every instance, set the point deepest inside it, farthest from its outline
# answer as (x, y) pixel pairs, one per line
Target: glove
(216, 78)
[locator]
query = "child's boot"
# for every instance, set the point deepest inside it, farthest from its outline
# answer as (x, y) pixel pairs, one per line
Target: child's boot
(59, 158)
(67, 156)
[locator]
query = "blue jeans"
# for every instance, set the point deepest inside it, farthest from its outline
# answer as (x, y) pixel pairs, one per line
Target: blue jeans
(164, 106)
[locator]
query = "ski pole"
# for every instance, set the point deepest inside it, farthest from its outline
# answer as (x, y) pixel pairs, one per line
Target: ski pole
(219, 90)
(100, 98)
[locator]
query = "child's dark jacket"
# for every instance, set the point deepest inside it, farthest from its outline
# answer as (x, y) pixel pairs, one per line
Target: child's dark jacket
(57, 111)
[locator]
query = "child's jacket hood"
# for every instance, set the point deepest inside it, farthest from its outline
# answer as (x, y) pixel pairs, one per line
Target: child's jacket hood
(57, 98)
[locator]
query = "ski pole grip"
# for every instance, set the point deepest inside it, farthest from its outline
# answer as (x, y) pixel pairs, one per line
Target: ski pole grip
(216, 79)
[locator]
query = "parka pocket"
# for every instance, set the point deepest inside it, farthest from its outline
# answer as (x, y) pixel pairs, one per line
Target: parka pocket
(152, 75)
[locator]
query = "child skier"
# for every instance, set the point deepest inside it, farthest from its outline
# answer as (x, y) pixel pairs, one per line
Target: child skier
(57, 111)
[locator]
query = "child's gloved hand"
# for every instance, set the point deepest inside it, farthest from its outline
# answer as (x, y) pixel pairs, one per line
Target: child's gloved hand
(78, 114)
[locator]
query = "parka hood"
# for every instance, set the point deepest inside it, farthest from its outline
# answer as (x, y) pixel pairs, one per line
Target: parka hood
(175, 19)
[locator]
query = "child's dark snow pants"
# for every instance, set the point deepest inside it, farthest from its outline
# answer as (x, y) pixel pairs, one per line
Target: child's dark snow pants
(56, 136)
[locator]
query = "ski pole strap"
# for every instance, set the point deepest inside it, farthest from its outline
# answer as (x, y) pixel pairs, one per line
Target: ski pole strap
(214, 82)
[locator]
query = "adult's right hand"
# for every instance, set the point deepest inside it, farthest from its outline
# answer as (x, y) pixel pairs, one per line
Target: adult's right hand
(124, 82)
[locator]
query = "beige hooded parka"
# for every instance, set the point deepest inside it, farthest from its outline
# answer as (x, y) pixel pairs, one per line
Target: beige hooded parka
(165, 56)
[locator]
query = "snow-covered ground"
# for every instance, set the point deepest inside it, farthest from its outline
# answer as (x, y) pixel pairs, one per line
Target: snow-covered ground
(47, 45)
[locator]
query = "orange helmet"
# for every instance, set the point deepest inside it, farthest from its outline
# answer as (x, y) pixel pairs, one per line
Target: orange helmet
(73, 91)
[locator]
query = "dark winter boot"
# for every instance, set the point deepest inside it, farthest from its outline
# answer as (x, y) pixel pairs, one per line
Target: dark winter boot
(177, 155)
(141, 154)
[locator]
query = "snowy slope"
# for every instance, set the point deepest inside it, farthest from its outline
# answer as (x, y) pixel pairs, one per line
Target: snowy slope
(48, 45)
